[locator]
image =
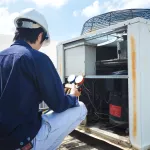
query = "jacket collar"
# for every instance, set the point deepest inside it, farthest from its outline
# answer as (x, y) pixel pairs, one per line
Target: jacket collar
(21, 42)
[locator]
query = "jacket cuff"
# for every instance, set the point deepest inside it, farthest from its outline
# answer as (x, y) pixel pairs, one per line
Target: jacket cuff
(75, 100)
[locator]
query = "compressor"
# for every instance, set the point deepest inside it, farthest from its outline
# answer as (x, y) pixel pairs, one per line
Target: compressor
(118, 102)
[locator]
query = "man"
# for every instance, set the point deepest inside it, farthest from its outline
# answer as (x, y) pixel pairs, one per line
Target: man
(28, 77)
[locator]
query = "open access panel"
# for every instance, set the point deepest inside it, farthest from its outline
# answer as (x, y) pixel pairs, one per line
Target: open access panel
(115, 63)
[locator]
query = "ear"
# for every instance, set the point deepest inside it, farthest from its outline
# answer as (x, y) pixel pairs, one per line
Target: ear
(40, 36)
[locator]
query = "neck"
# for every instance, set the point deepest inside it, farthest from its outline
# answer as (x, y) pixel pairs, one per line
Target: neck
(33, 45)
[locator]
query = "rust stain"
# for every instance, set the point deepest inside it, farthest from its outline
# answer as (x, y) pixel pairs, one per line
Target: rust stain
(134, 98)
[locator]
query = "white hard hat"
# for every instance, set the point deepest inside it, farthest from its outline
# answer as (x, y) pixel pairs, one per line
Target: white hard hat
(36, 17)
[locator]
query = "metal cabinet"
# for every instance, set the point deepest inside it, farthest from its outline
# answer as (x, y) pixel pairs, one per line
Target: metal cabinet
(78, 56)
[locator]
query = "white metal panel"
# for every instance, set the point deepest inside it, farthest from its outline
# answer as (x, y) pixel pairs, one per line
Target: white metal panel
(61, 62)
(106, 77)
(90, 60)
(145, 83)
(134, 85)
(74, 44)
(75, 60)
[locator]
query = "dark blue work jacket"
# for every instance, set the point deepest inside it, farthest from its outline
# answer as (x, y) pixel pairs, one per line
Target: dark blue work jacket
(27, 77)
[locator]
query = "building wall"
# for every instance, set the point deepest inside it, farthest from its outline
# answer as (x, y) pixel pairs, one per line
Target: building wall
(51, 51)
(5, 41)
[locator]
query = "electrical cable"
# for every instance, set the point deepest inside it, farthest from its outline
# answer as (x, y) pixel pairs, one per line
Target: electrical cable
(86, 88)
(96, 112)
(97, 97)
(88, 92)
(106, 100)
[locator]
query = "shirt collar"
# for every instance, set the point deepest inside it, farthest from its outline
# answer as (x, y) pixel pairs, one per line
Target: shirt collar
(21, 42)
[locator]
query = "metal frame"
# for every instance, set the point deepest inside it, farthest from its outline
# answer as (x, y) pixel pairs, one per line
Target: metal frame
(138, 76)
(104, 30)
(106, 76)
(111, 138)
(111, 18)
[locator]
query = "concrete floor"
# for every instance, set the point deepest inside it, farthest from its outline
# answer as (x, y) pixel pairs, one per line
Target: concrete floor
(71, 143)
(78, 141)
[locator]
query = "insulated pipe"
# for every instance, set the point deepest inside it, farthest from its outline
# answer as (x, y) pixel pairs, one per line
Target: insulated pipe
(118, 49)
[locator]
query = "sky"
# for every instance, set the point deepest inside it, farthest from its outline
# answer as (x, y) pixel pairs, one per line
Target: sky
(65, 17)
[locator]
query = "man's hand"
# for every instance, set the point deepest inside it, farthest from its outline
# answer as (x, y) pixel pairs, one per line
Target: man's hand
(74, 91)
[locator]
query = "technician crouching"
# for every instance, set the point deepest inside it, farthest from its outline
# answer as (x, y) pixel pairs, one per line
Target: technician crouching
(28, 77)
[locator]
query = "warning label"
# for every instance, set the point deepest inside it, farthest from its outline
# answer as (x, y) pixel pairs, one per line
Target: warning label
(115, 110)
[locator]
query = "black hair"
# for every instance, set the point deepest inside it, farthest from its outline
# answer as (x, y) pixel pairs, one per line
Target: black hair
(29, 35)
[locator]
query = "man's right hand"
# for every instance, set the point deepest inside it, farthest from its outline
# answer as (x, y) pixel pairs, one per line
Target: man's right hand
(74, 91)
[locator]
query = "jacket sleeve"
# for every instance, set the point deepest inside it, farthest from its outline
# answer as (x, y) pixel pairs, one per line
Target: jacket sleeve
(51, 88)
